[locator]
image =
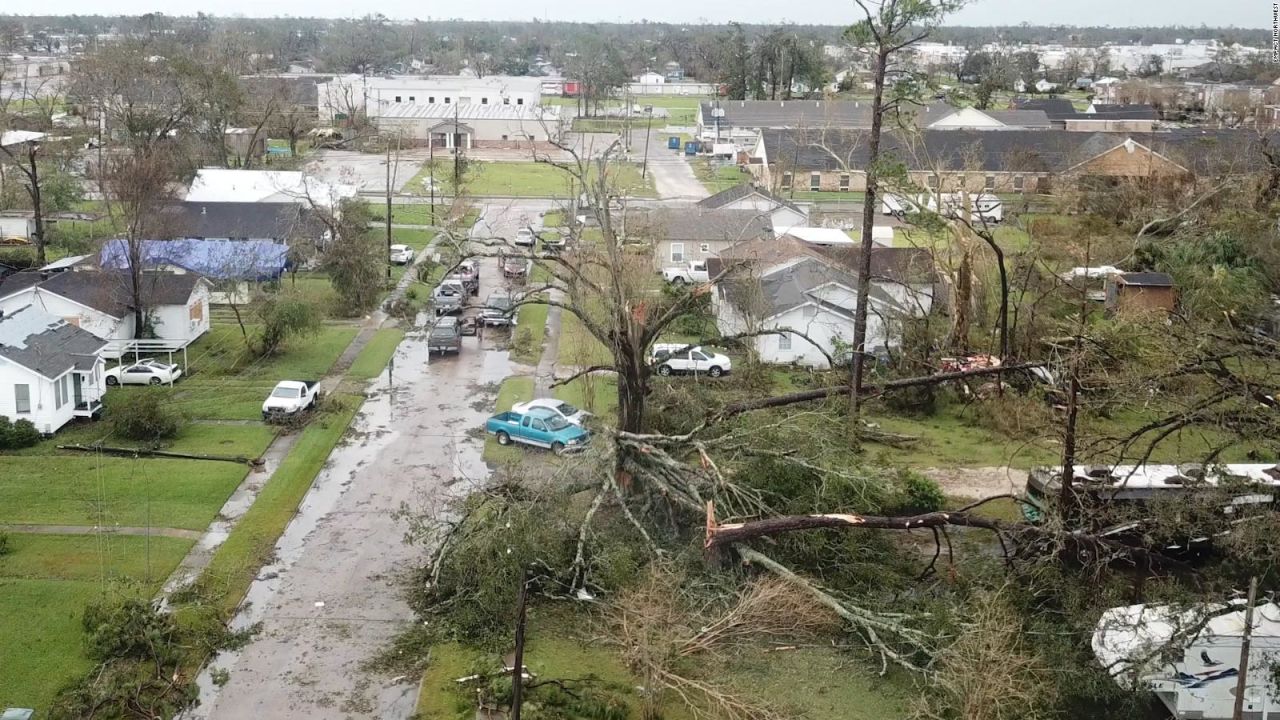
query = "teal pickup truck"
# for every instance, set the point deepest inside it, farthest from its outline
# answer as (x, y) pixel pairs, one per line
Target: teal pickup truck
(540, 427)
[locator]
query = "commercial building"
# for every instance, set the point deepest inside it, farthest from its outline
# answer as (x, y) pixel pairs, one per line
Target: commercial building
(471, 125)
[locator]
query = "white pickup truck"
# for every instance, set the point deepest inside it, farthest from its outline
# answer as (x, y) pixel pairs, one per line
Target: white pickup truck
(693, 272)
(290, 397)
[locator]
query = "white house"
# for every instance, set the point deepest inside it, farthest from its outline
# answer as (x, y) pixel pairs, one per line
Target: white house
(786, 284)
(218, 185)
(783, 214)
(100, 303)
(651, 78)
(50, 370)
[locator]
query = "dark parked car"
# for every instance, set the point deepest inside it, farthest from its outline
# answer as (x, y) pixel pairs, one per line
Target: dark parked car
(445, 336)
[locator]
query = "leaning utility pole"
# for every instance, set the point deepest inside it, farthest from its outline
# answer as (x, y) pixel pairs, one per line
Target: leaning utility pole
(517, 669)
(388, 207)
(1245, 641)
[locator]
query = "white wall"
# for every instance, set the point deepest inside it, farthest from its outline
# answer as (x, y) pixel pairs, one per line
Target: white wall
(44, 413)
(173, 322)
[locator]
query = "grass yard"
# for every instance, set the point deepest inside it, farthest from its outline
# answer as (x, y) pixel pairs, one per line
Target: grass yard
(88, 490)
(513, 390)
(807, 682)
(578, 346)
(250, 544)
(530, 179)
(373, 359)
(408, 213)
(597, 394)
(47, 581)
(530, 333)
(227, 383)
(717, 178)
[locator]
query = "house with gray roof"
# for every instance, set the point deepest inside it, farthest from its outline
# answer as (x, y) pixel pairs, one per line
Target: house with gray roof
(681, 235)
(809, 296)
(783, 214)
(101, 303)
(50, 370)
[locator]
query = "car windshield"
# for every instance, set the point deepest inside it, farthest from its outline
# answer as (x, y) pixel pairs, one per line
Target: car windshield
(566, 409)
(501, 302)
(555, 422)
(286, 392)
(443, 331)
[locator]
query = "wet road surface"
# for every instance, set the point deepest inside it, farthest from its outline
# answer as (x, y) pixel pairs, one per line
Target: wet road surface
(332, 598)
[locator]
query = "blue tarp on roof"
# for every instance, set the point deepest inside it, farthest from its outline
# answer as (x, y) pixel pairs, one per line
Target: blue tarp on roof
(215, 259)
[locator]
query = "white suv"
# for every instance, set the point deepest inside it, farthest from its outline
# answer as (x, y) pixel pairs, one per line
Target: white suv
(675, 358)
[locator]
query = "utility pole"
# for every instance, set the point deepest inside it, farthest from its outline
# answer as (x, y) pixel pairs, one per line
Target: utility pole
(431, 174)
(1243, 678)
(517, 664)
(388, 207)
(644, 167)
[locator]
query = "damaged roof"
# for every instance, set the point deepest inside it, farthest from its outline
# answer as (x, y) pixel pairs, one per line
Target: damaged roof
(47, 345)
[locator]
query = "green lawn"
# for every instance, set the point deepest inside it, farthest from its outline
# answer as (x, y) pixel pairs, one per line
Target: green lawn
(41, 638)
(45, 584)
(512, 391)
(719, 178)
(531, 179)
(578, 346)
(811, 682)
(597, 394)
(92, 558)
(373, 359)
(250, 544)
(228, 383)
(408, 213)
(531, 332)
(87, 489)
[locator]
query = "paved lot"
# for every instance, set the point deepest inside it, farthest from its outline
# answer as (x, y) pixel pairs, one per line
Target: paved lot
(367, 171)
(332, 600)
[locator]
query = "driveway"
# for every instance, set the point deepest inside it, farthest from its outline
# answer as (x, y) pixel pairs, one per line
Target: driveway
(333, 597)
(672, 174)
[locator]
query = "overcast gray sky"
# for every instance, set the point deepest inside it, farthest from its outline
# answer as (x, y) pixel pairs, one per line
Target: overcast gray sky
(1242, 13)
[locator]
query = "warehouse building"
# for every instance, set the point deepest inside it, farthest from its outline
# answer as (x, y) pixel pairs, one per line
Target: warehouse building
(473, 125)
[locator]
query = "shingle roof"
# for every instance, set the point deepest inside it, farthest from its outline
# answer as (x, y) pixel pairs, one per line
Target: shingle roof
(698, 224)
(45, 344)
(256, 220)
(109, 291)
(1025, 118)
(1205, 152)
(738, 192)
(907, 266)
(1053, 108)
(1104, 111)
(18, 282)
(1146, 279)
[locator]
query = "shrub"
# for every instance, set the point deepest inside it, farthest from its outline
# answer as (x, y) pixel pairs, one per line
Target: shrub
(1013, 415)
(15, 436)
(149, 417)
(282, 317)
(918, 494)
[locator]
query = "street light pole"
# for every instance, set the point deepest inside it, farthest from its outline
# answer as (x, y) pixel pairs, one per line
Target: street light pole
(388, 207)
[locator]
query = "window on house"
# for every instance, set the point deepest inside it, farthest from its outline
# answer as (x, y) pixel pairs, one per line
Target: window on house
(22, 398)
(677, 252)
(504, 137)
(431, 99)
(815, 181)
(1017, 183)
(397, 98)
(59, 394)
(784, 341)
(446, 101)
(484, 101)
(704, 248)
(989, 183)
(933, 181)
(413, 98)
(844, 183)
(506, 101)
(519, 101)
(786, 181)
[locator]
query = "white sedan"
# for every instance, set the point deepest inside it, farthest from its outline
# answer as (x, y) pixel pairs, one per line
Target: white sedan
(401, 254)
(556, 407)
(147, 372)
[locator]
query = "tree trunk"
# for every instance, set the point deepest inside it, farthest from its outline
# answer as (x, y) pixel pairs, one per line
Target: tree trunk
(36, 207)
(962, 303)
(864, 261)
